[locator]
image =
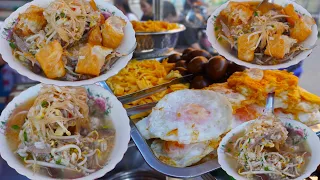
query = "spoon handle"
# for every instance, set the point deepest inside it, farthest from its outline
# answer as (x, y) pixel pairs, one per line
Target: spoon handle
(269, 109)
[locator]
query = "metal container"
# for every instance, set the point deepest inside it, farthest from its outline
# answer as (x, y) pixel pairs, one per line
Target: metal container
(132, 160)
(156, 44)
(138, 175)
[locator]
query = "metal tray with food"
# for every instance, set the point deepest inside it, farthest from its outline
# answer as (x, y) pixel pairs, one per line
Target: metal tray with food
(150, 158)
(155, 38)
(230, 91)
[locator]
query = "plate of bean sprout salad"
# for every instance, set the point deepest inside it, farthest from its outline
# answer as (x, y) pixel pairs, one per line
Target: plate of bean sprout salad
(67, 42)
(265, 36)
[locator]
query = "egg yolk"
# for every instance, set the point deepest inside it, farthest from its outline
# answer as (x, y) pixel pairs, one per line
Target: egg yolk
(193, 113)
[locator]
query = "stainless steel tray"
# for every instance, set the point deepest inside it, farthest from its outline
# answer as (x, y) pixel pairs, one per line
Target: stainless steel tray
(153, 162)
(155, 44)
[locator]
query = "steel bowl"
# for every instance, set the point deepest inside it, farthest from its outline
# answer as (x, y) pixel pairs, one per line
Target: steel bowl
(156, 44)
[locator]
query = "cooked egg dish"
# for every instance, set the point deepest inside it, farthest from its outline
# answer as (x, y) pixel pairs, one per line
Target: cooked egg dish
(187, 125)
(247, 92)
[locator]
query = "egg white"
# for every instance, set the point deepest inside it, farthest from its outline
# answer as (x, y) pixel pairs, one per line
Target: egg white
(181, 156)
(195, 116)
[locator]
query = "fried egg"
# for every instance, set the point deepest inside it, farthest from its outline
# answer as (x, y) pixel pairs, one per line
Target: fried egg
(182, 155)
(188, 116)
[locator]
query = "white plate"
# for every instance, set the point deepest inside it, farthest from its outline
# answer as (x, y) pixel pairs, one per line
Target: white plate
(127, 44)
(311, 138)
(309, 42)
(118, 115)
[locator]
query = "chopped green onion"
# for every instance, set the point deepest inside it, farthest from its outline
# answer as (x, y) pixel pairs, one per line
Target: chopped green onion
(58, 161)
(44, 104)
(216, 28)
(229, 150)
(12, 45)
(25, 136)
(266, 169)
(15, 127)
(62, 14)
(256, 13)
(249, 140)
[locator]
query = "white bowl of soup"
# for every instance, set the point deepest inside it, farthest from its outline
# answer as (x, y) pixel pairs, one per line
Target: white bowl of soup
(273, 36)
(270, 150)
(52, 132)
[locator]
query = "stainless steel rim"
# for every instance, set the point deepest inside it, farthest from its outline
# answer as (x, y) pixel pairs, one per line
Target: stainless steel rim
(181, 28)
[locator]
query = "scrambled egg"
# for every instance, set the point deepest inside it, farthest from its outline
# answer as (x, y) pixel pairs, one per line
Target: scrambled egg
(139, 75)
(247, 92)
(153, 26)
(256, 84)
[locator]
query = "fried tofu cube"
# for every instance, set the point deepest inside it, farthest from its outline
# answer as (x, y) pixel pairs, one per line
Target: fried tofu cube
(113, 32)
(95, 37)
(30, 22)
(279, 45)
(91, 59)
(238, 13)
(289, 10)
(246, 46)
(302, 28)
(50, 60)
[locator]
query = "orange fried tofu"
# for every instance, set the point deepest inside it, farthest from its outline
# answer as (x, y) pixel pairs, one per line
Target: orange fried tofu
(279, 46)
(302, 28)
(50, 60)
(30, 22)
(113, 32)
(238, 13)
(289, 10)
(247, 46)
(91, 59)
(95, 37)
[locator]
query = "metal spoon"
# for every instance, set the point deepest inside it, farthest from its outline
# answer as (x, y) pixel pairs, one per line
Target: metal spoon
(265, 2)
(269, 109)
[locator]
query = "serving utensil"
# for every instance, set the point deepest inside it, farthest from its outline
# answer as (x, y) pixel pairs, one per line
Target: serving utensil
(147, 92)
(265, 2)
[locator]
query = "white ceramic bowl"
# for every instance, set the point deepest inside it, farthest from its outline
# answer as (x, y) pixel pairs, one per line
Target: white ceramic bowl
(312, 140)
(126, 46)
(118, 116)
(309, 42)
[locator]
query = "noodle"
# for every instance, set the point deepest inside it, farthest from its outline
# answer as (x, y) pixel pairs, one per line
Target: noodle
(57, 132)
(265, 149)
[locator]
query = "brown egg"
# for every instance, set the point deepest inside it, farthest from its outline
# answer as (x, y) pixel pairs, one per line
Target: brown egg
(197, 65)
(195, 53)
(173, 58)
(233, 67)
(200, 82)
(181, 63)
(216, 68)
(186, 51)
(182, 71)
